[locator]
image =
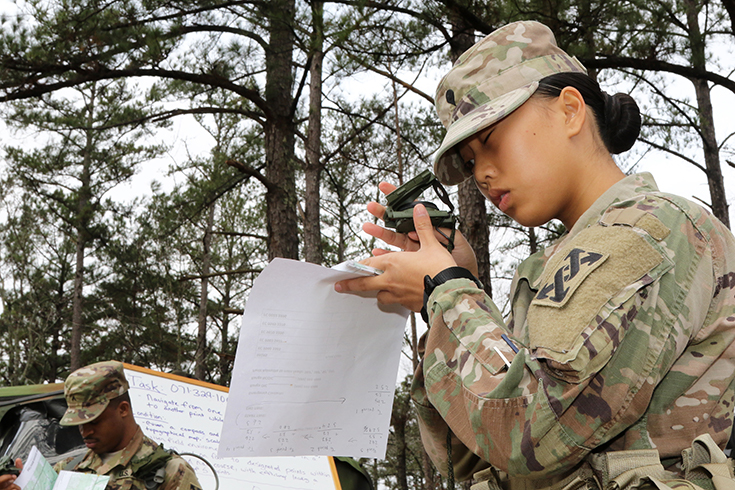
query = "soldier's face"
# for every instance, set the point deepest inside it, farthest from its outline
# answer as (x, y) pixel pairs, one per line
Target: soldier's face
(105, 434)
(522, 164)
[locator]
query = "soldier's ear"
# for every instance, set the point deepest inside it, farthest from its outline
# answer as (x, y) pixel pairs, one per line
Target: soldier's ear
(574, 108)
(124, 409)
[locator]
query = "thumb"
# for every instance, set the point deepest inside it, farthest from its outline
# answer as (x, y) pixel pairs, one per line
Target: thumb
(422, 223)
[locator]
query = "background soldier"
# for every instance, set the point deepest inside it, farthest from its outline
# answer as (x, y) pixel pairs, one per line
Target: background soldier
(99, 403)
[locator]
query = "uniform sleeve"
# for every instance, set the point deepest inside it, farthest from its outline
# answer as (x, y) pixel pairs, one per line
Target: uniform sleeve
(180, 476)
(602, 330)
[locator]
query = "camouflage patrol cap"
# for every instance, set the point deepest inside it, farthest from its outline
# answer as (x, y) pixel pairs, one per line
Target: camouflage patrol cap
(489, 81)
(88, 391)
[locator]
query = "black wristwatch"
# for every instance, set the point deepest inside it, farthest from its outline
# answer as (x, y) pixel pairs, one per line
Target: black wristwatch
(451, 273)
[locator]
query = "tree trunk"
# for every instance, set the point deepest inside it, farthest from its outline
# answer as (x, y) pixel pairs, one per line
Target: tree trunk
(473, 210)
(13, 350)
(282, 222)
(472, 207)
(312, 174)
(399, 419)
(77, 305)
(200, 355)
(57, 326)
(82, 230)
(706, 118)
(225, 332)
(427, 467)
(532, 240)
(730, 7)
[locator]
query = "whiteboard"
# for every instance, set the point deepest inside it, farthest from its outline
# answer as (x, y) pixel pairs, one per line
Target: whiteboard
(186, 415)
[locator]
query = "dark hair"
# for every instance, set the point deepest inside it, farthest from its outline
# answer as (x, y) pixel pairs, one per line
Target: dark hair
(617, 116)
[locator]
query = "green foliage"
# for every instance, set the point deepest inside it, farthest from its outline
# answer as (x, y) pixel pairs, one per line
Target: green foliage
(88, 151)
(34, 326)
(139, 301)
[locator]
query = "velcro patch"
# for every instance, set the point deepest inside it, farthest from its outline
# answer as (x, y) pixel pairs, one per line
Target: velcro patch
(638, 218)
(560, 282)
(555, 323)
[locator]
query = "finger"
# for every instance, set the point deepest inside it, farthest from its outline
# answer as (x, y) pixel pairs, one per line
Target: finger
(386, 188)
(19, 463)
(412, 235)
(390, 237)
(356, 285)
(442, 235)
(6, 481)
(423, 225)
(377, 210)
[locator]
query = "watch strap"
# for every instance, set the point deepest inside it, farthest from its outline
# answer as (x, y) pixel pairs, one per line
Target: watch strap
(430, 283)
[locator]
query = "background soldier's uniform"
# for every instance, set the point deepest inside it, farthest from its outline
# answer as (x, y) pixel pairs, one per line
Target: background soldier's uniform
(88, 391)
(123, 468)
(625, 329)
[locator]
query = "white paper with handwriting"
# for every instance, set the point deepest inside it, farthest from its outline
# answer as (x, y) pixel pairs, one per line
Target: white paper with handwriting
(315, 370)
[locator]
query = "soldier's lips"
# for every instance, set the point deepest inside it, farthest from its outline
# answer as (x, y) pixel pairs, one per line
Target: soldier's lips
(90, 443)
(499, 198)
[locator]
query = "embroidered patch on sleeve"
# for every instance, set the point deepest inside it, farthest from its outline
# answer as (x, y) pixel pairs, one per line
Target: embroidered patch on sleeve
(566, 276)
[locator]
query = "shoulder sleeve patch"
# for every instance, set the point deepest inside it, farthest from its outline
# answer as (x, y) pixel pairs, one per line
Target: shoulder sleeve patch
(564, 273)
(601, 264)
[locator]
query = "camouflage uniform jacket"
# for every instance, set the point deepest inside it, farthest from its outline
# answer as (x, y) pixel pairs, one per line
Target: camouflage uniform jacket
(625, 331)
(179, 474)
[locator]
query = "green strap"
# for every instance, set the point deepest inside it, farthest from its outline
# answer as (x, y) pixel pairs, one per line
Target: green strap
(706, 465)
(626, 469)
(72, 464)
(152, 468)
(450, 465)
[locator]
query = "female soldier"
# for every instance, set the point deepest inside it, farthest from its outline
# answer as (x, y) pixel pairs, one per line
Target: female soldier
(619, 350)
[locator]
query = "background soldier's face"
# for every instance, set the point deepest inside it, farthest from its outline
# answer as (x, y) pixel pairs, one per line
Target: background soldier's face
(105, 433)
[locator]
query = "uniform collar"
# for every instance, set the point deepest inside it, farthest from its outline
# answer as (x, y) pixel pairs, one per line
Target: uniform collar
(627, 188)
(121, 459)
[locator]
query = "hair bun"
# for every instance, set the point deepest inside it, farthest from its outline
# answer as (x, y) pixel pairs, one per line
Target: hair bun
(622, 122)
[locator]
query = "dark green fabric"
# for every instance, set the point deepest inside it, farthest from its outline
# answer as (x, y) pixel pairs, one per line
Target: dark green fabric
(147, 469)
(351, 475)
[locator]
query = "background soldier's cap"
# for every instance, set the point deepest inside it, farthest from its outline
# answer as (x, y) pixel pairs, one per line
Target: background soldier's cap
(89, 390)
(489, 81)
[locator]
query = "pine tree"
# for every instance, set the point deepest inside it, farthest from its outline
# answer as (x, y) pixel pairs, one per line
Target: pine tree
(88, 152)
